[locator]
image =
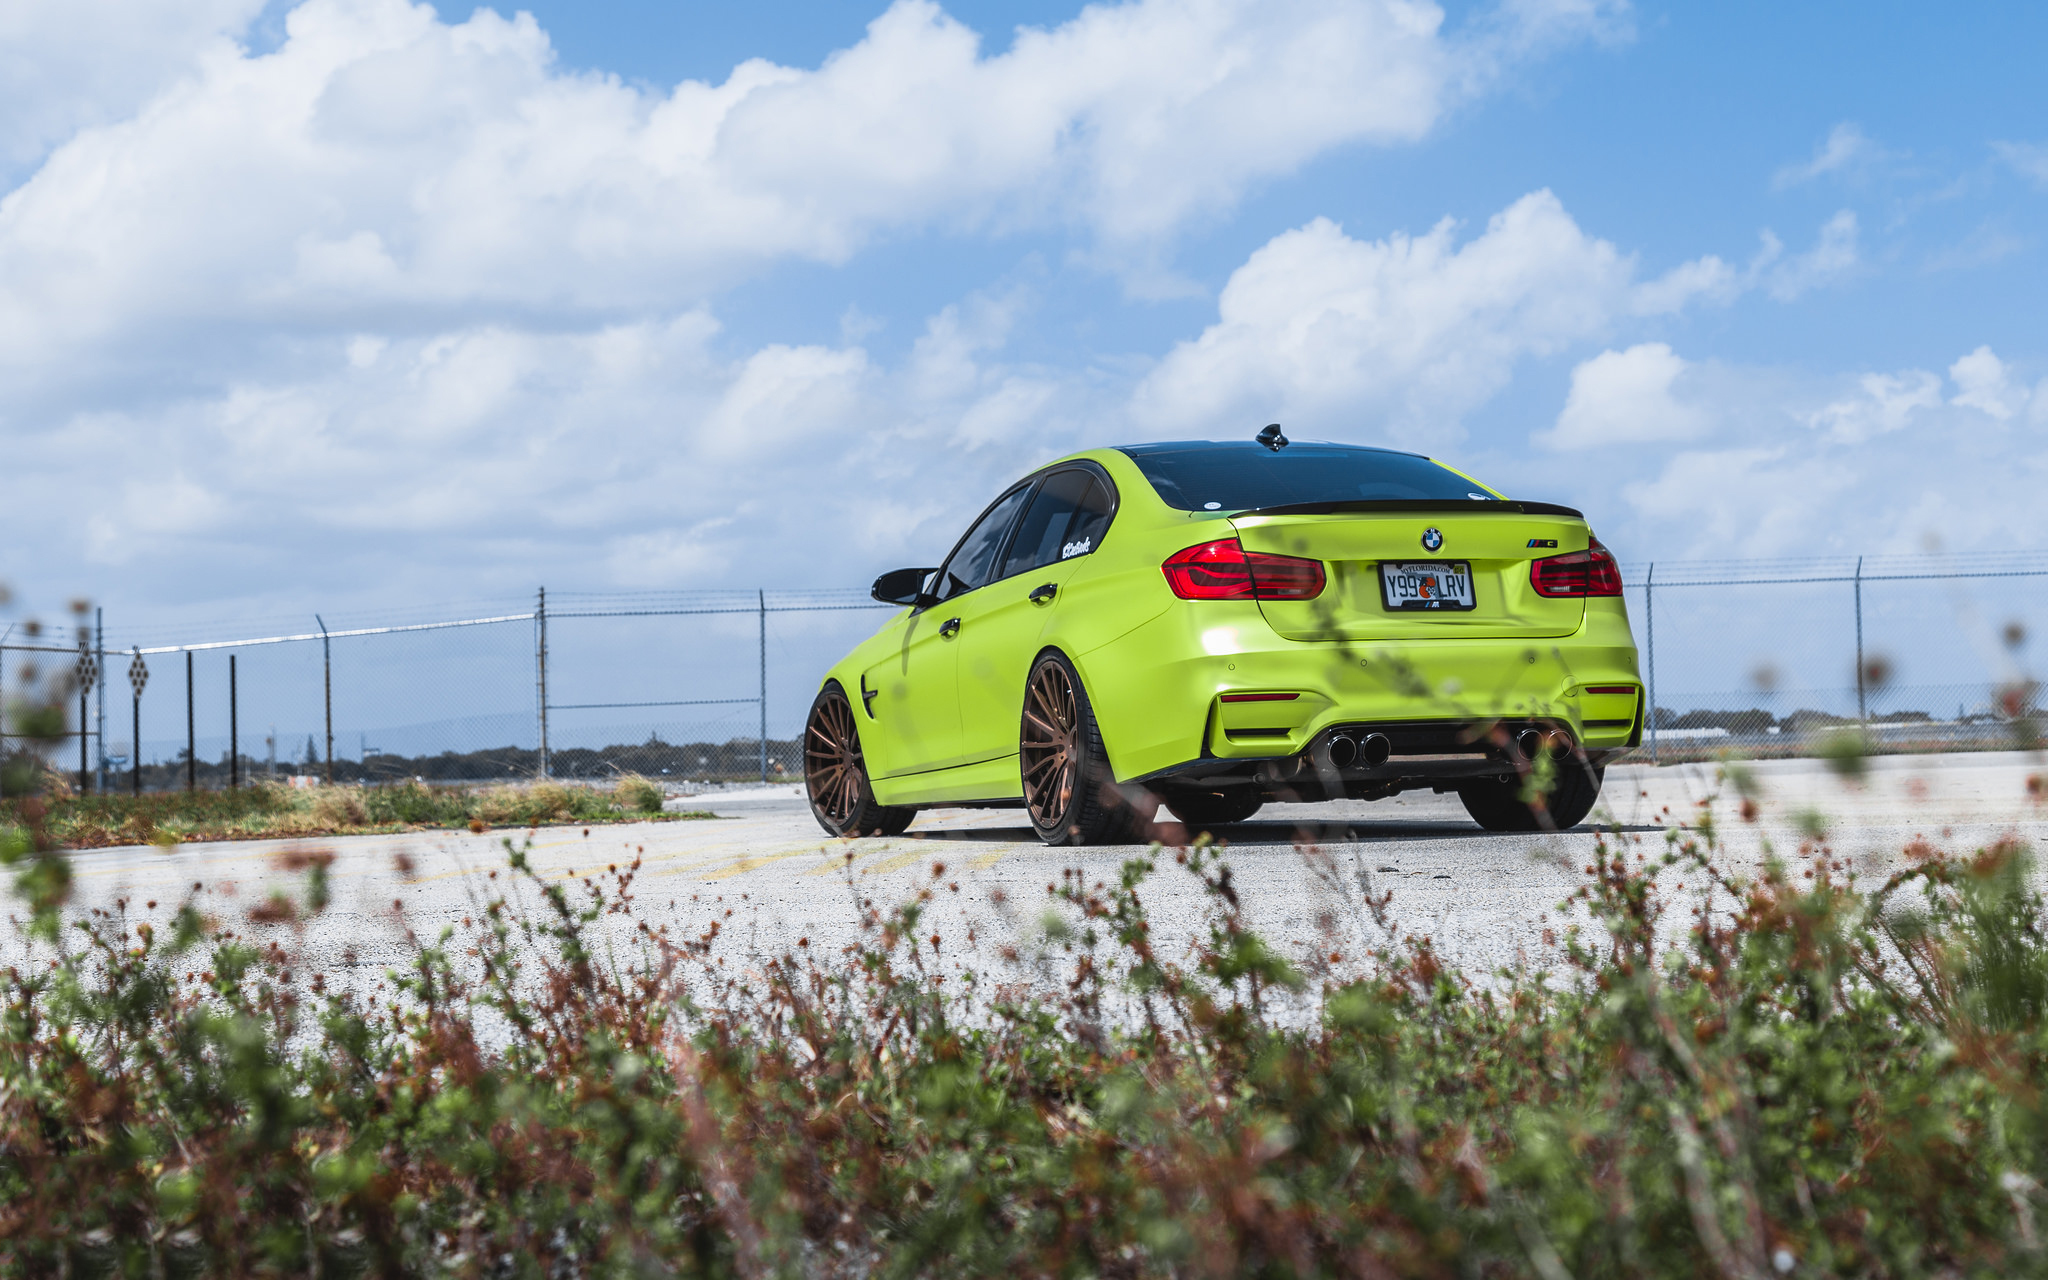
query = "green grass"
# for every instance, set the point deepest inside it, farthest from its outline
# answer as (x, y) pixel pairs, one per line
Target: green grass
(268, 811)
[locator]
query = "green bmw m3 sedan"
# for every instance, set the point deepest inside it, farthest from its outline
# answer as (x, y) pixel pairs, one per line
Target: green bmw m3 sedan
(1218, 624)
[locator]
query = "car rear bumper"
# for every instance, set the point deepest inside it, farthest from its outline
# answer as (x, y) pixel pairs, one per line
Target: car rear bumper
(1372, 760)
(1214, 693)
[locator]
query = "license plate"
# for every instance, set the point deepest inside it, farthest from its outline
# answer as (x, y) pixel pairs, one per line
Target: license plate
(1438, 584)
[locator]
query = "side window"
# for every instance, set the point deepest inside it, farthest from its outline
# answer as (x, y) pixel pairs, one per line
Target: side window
(1091, 520)
(973, 564)
(1044, 530)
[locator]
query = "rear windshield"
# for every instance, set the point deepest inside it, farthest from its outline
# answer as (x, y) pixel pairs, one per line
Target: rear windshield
(1229, 476)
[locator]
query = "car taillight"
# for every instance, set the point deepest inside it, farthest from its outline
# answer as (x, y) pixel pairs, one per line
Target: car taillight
(1224, 570)
(1591, 572)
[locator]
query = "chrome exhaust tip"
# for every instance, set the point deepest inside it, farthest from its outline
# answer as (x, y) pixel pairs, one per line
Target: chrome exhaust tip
(1375, 750)
(1529, 742)
(1342, 751)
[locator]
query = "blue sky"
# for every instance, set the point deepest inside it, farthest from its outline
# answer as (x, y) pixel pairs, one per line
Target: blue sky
(1667, 141)
(361, 305)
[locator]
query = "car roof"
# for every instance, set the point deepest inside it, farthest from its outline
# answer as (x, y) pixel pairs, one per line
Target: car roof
(1219, 446)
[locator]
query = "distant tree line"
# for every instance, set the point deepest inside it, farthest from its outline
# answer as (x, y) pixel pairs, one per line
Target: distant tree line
(1755, 720)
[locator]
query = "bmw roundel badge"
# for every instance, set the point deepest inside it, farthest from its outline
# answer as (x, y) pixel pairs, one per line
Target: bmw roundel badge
(1432, 539)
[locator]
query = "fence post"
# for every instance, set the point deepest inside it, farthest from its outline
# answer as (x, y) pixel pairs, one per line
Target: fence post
(99, 636)
(540, 618)
(86, 674)
(1650, 608)
(327, 692)
(136, 675)
(234, 732)
(762, 597)
(191, 733)
(1862, 713)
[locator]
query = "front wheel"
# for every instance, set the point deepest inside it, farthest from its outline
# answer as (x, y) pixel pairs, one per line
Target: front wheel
(1497, 804)
(836, 773)
(1069, 789)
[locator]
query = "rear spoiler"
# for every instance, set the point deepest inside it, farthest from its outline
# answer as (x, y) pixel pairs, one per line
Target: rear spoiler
(1439, 506)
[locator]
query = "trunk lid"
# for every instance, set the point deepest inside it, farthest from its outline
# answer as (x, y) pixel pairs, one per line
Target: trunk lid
(1354, 539)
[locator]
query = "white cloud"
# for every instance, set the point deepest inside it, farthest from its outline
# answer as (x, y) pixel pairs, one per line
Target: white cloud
(1625, 397)
(635, 454)
(1335, 335)
(1884, 403)
(1891, 460)
(66, 64)
(2028, 159)
(1845, 148)
(1985, 245)
(407, 287)
(1833, 256)
(381, 158)
(1706, 278)
(1982, 383)
(1751, 500)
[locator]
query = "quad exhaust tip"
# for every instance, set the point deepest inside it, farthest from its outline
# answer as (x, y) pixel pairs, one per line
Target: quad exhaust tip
(1371, 751)
(1531, 742)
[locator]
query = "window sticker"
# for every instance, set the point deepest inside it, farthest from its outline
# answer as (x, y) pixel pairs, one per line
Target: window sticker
(1080, 547)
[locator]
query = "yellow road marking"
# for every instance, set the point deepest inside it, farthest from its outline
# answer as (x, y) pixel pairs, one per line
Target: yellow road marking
(991, 858)
(745, 865)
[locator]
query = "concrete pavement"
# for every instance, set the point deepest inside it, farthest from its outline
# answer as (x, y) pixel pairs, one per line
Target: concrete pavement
(1487, 900)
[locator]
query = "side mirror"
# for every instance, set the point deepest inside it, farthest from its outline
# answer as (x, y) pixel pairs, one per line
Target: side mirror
(902, 586)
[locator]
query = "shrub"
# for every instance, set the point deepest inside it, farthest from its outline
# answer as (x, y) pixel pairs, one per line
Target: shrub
(268, 809)
(410, 803)
(340, 807)
(1818, 1076)
(639, 795)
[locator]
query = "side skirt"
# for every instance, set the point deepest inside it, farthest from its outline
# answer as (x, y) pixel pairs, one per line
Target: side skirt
(994, 783)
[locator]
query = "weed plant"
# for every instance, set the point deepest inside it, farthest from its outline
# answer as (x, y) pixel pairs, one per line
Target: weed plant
(1808, 1076)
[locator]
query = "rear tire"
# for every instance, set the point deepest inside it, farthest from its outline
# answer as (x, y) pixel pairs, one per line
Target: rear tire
(1214, 808)
(1069, 790)
(836, 773)
(1497, 805)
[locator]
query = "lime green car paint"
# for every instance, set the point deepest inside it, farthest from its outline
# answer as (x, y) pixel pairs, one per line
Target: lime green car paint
(939, 690)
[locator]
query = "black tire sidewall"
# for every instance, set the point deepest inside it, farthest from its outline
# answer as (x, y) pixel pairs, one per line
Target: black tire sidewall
(869, 817)
(1202, 809)
(1096, 812)
(1497, 805)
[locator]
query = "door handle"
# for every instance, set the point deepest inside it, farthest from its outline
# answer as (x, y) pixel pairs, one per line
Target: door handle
(1044, 594)
(949, 628)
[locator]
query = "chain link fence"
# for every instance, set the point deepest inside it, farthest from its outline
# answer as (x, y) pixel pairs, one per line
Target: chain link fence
(705, 686)
(1921, 653)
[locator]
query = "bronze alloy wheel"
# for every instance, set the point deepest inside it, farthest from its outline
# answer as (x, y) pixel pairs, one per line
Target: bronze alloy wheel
(836, 775)
(1049, 750)
(1068, 787)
